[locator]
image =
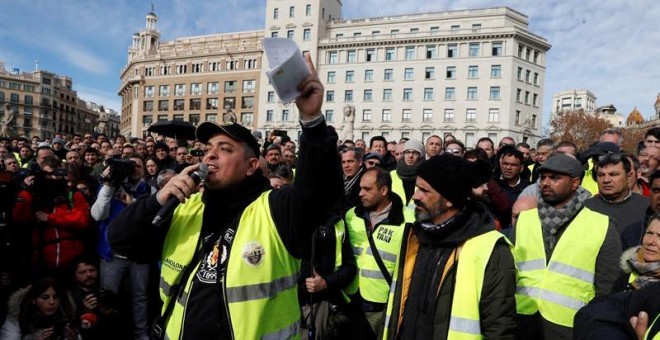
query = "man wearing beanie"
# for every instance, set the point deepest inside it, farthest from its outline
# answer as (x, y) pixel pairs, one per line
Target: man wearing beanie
(403, 177)
(566, 254)
(457, 278)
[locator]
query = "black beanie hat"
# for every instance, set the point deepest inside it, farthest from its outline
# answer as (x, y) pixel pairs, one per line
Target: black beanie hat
(454, 177)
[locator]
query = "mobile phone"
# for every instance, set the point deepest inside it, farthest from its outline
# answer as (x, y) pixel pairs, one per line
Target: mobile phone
(279, 133)
(62, 172)
(197, 153)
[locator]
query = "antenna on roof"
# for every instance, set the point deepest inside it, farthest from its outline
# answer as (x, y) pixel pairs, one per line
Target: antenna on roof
(153, 7)
(36, 65)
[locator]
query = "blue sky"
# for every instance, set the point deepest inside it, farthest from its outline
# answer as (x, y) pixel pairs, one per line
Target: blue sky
(611, 47)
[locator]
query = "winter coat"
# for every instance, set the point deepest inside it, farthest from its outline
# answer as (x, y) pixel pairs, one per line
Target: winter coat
(58, 240)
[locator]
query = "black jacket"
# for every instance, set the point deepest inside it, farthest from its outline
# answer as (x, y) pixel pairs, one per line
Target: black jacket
(497, 306)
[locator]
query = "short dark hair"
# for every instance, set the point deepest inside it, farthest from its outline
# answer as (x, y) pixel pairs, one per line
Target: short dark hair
(52, 162)
(545, 142)
(567, 143)
(377, 138)
(383, 177)
(358, 152)
(486, 139)
(476, 154)
(457, 142)
(655, 175)
(614, 159)
(511, 151)
(523, 145)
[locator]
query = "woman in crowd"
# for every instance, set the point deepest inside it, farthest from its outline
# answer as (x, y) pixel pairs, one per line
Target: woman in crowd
(151, 175)
(641, 264)
(40, 311)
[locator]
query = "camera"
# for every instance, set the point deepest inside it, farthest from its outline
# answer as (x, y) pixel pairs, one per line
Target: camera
(120, 169)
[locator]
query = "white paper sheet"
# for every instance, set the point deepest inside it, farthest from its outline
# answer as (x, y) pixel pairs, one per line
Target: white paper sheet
(287, 67)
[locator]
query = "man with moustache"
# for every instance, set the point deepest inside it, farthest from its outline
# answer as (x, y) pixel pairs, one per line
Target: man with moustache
(455, 277)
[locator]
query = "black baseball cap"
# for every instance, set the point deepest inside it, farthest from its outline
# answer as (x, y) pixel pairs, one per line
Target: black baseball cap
(235, 131)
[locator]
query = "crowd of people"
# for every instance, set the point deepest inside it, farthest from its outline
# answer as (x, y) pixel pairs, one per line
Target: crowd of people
(328, 239)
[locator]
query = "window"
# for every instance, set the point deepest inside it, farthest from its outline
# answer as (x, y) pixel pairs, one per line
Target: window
(357, 34)
(406, 115)
(195, 89)
(434, 30)
(195, 104)
(330, 96)
(285, 115)
(366, 115)
(177, 118)
(452, 51)
(429, 73)
(454, 28)
(249, 86)
(517, 118)
(351, 56)
(270, 97)
(408, 74)
(164, 90)
(331, 77)
(350, 76)
(389, 54)
(470, 115)
(528, 75)
(394, 31)
(526, 97)
(214, 66)
(451, 72)
(289, 34)
(518, 94)
(273, 34)
(496, 71)
(307, 34)
(231, 64)
(193, 119)
(493, 115)
(536, 57)
(162, 118)
(332, 57)
(148, 71)
(329, 115)
(178, 104)
(308, 10)
(163, 105)
(476, 28)
(497, 49)
(387, 95)
(180, 89)
(371, 54)
(368, 95)
(247, 102)
(427, 115)
(428, 93)
(181, 69)
(535, 99)
(376, 32)
(473, 71)
(450, 93)
(211, 103)
(471, 93)
(348, 96)
(407, 94)
(246, 118)
(414, 30)
(431, 52)
(469, 138)
(276, 13)
(147, 120)
(197, 68)
(29, 100)
(534, 121)
(389, 74)
(212, 88)
(229, 103)
(211, 117)
(494, 93)
(148, 105)
(521, 48)
(528, 53)
(292, 11)
(474, 49)
(386, 116)
(269, 115)
(230, 86)
(449, 115)
(519, 75)
(148, 91)
(368, 75)
(536, 78)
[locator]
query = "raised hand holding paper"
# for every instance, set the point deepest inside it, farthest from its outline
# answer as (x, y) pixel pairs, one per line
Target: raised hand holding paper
(287, 67)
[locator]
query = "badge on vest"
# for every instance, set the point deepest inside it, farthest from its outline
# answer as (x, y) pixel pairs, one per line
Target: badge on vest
(253, 253)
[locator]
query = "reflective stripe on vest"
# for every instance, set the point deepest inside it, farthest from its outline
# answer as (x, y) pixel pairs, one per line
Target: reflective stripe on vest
(372, 284)
(261, 273)
(648, 331)
(465, 320)
(557, 290)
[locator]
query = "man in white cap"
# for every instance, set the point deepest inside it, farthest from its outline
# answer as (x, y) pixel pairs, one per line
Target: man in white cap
(403, 177)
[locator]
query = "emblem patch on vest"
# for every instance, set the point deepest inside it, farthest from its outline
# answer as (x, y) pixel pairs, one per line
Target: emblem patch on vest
(253, 253)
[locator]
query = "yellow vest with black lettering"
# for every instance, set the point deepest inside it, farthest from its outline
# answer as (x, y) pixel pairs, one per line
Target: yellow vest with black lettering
(260, 289)
(465, 320)
(560, 287)
(370, 280)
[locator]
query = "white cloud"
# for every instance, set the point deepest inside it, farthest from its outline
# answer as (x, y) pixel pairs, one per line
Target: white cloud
(92, 94)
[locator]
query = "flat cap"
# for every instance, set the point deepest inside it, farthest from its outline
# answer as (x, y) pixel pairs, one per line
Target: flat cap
(563, 164)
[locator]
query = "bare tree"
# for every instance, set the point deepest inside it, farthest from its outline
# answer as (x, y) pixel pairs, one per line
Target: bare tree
(578, 127)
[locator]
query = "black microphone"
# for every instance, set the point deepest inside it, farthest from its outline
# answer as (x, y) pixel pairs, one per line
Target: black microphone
(168, 208)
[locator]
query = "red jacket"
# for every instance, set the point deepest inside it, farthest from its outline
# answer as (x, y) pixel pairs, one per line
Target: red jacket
(59, 239)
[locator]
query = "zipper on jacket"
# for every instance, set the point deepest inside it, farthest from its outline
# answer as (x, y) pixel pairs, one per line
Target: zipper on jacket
(226, 304)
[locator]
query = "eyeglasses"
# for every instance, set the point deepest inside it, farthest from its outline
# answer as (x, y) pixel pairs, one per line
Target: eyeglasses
(372, 163)
(614, 157)
(453, 151)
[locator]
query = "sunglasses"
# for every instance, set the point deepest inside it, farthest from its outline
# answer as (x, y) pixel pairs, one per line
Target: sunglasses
(372, 163)
(614, 157)
(453, 151)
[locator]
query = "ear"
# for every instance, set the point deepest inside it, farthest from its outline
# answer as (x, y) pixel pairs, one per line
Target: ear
(253, 165)
(575, 183)
(384, 190)
(448, 204)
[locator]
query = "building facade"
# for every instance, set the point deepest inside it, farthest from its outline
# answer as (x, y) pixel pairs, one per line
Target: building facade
(43, 103)
(583, 99)
(469, 73)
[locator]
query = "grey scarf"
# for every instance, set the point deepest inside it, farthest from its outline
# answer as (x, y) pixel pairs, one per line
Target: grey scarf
(647, 272)
(407, 172)
(553, 219)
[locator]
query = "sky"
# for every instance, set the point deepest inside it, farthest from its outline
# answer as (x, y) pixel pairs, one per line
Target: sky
(611, 47)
